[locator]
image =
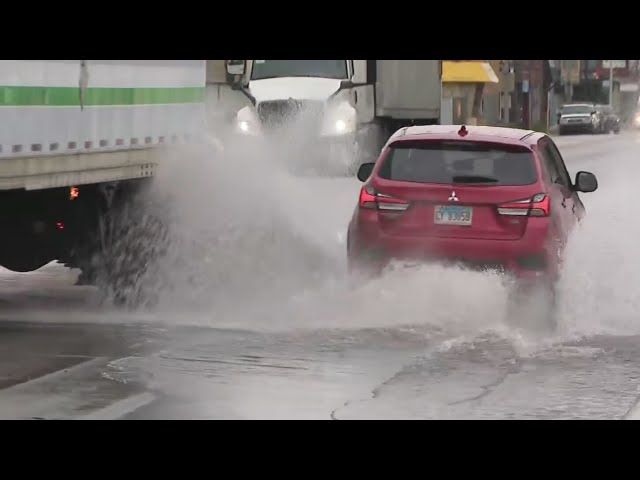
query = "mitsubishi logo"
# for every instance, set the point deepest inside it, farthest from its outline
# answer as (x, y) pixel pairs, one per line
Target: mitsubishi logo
(453, 197)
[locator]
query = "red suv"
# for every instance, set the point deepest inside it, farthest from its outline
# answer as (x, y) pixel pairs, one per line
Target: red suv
(482, 197)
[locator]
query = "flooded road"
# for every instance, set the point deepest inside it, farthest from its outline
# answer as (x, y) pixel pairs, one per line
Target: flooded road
(413, 345)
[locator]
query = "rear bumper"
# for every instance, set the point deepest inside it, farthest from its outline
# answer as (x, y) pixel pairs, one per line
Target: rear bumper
(527, 257)
(577, 127)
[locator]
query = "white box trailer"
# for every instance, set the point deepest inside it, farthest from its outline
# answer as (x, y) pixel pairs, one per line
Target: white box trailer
(79, 139)
(74, 122)
(408, 90)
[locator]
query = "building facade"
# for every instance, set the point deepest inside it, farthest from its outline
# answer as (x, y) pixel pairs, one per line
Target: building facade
(463, 88)
(530, 106)
(498, 97)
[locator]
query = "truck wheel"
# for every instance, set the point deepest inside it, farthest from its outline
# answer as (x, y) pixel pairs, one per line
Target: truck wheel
(22, 251)
(24, 262)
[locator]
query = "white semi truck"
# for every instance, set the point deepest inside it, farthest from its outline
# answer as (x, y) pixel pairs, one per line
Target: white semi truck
(79, 139)
(339, 111)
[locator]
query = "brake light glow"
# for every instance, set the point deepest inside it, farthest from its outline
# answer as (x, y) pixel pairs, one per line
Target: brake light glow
(60, 225)
(537, 206)
(371, 199)
(367, 197)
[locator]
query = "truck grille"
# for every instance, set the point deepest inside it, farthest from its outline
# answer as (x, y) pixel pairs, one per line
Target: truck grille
(283, 113)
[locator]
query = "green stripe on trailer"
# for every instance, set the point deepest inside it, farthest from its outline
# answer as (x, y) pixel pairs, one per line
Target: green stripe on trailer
(70, 96)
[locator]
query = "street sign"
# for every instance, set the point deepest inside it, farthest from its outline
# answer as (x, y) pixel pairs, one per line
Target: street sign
(616, 63)
(570, 71)
(629, 87)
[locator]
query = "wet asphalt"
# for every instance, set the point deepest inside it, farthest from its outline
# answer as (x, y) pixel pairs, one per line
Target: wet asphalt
(61, 357)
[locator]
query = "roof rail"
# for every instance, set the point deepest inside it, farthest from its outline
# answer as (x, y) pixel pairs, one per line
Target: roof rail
(528, 134)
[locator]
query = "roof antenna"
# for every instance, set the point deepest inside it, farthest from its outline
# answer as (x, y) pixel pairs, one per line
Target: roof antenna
(463, 131)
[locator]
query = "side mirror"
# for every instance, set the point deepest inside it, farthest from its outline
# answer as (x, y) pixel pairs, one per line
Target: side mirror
(585, 182)
(364, 172)
(346, 84)
(236, 67)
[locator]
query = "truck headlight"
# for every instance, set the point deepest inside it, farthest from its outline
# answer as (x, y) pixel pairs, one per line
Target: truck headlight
(246, 122)
(340, 119)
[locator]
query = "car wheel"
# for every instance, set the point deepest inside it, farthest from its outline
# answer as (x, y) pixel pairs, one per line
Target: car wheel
(533, 306)
(362, 265)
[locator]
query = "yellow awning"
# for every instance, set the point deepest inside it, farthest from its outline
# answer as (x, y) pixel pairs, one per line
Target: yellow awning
(468, 72)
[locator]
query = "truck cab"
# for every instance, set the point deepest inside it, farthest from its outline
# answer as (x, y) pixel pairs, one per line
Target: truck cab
(336, 108)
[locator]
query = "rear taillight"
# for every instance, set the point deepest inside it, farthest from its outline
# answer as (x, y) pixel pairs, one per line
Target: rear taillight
(369, 198)
(537, 206)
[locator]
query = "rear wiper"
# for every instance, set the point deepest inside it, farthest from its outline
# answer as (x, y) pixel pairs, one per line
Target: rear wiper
(473, 179)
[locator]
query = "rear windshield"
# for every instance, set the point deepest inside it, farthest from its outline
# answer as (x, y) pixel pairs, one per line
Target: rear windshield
(459, 162)
(576, 109)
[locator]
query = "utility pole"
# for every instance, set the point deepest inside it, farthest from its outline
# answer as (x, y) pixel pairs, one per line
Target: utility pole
(611, 83)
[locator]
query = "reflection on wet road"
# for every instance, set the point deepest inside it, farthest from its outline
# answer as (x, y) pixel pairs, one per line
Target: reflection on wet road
(138, 373)
(63, 357)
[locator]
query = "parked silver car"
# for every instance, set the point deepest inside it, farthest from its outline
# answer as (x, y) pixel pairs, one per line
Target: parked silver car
(579, 117)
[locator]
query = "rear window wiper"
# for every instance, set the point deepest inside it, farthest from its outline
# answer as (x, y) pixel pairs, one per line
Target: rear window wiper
(473, 179)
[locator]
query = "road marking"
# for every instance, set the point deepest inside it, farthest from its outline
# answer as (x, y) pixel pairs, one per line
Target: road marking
(50, 396)
(121, 408)
(76, 392)
(634, 412)
(53, 375)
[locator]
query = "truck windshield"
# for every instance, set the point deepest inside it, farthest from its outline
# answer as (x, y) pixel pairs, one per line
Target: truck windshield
(451, 162)
(299, 68)
(576, 109)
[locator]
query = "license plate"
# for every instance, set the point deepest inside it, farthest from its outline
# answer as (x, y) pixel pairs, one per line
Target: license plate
(450, 215)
